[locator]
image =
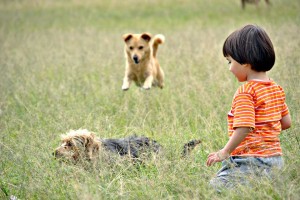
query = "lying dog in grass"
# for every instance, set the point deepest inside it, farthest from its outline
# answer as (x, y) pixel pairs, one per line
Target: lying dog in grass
(142, 66)
(83, 145)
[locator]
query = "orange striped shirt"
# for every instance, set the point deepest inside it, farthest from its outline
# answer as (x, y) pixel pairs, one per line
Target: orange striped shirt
(259, 105)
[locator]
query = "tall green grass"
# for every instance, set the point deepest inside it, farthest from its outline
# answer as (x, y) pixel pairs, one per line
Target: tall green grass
(61, 68)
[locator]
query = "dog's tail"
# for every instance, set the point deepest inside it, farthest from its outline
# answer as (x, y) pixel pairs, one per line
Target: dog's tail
(188, 147)
(158, 39)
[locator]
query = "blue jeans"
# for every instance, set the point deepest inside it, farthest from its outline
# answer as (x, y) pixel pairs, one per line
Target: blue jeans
(239, 170)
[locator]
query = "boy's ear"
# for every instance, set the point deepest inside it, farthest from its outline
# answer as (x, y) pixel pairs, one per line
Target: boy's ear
(127, 37)
(146, 36)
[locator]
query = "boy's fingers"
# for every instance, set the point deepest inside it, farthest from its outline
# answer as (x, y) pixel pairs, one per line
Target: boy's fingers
(211, 154)
(212, 158)
(209, 161)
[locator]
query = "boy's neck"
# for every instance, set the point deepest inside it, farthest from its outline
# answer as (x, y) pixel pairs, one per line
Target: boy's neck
(262, 76)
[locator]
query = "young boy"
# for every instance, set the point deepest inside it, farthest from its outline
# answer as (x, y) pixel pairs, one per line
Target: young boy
(258, 112)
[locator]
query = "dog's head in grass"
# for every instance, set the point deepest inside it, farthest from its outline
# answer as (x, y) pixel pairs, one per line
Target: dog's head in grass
(77, 146)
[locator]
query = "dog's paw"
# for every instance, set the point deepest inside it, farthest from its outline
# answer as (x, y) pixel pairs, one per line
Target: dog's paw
(161, 86)
(146, 87)
(125, 88)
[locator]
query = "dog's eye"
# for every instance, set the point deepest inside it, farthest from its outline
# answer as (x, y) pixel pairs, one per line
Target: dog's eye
(130, 47)
(68, 144)
(141, 47)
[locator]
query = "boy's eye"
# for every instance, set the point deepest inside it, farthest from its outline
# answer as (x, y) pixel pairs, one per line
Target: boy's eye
(229, 62)
(130, 47)
(141, 47)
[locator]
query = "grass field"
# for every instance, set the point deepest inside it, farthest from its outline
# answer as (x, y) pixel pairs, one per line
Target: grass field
(61, 68)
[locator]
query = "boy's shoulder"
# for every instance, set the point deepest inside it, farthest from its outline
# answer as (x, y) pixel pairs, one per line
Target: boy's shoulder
(254, 86)
(248, 87)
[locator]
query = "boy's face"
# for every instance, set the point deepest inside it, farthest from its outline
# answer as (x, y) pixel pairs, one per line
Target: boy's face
(239, 71)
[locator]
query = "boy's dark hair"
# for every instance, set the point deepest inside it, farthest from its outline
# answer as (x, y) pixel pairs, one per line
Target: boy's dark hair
(250, 45)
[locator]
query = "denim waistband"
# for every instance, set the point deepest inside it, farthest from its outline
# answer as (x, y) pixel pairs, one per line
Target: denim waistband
(274, 161)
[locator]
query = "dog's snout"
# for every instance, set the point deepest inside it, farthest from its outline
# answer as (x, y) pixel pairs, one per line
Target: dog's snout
(56, 153)
(136, 59)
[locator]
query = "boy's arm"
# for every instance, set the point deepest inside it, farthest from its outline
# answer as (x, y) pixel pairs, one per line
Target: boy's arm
(286, 122)
(237, 137)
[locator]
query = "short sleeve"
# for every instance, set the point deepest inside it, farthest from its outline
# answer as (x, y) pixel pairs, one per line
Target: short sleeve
(243, 111)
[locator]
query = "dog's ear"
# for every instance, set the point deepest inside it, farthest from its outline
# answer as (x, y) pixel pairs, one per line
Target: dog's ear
(89, 140)
(64, 137)
(146, 36)
(127, 37)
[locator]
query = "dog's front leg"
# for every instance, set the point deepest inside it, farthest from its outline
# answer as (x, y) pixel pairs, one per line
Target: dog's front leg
(148, 82)
(126, 82)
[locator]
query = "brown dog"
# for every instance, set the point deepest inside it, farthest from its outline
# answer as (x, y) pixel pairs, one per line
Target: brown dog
(142, 66)
(83, 145)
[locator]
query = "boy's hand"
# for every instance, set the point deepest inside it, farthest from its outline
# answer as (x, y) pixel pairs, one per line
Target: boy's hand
(237, 137)
(216, 157)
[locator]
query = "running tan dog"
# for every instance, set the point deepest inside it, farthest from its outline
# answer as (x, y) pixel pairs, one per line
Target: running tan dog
(83, 145)
(142, 66)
